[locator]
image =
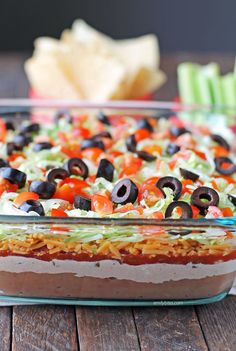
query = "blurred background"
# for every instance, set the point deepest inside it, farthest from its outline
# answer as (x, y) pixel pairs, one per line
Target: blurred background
(183, 25)
(200, 31)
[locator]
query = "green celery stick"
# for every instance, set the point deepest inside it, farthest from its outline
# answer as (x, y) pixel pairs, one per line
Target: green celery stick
(205, 74)
(216, 90)
(187, 82)
(228, 83)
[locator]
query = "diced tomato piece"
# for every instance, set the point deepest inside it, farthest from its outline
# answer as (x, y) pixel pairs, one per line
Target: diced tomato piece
(16, 155)
(74, 183)
(195, 210)
(219, 151)
(200, 154)
(131, 161)
(185, 183)
(26, 195)
(81, 132)
(7, 186)
(157, 215)
(150, 181)
(91, 178)
(227, 212)
(92, 153)
(101, 204)
(71, 150)
(130, 165)
(3, 130)
(58, 212)
(67, 193)
(141, 134)
(125, 208)
(150, 194)
(172, 164)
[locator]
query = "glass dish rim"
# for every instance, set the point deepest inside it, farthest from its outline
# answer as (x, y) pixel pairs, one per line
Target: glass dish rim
(113, 104)
(116, 105)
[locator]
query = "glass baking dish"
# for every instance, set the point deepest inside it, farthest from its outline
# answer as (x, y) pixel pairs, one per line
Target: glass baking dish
(118, 261)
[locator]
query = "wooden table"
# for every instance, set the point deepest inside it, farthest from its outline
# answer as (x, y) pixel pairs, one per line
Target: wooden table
(61, 328)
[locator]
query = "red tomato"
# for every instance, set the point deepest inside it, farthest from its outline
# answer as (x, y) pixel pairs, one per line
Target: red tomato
(185, 183)
(200, 154)
(74, 183)
(227, 212)
(92, 153)
(58, 212)
(3, 130)
(5, 185)
(150, 194)
(195, 210)
(150, 181)
(141, 134)
(71, 150)
(101, 204)
(130, 165)
(26, 195)
(157, 215)
(219, 151)
(129, 207)
(14, 156)
(67, 193)
(81, 132)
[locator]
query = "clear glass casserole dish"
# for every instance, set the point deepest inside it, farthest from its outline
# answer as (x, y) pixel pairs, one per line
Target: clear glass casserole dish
(117, 261)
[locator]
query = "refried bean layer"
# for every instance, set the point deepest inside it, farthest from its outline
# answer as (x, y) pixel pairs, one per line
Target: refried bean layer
(67, 285)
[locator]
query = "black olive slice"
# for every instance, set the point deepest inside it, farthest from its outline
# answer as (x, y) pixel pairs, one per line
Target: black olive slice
(186, 209)
(232, 199)
(204, 193)
(87, 143)
(181, 232)
(9, 125)
(226, 171)
(20, 141)
(63, 114)
(125, 191)
(131, 143)
(42, 146)
(31, 128)
(104, 134)
(172, 149)
(82, 203)
(146, 156)
(57, 173)
(172, 183)
(144, 124)
(45, 190)
(175, 131)
(220, 140)
(10, 148)
(103, 118)
(13, 175)
(3, 163)
(77, 166)
(32, 205)
(105, 170)
(188, 174)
